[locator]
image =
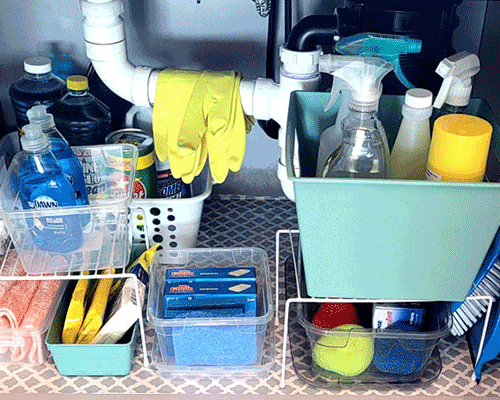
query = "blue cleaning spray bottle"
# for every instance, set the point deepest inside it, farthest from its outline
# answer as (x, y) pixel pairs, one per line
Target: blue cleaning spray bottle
(384, 46)
(61, 149)
(42, 185)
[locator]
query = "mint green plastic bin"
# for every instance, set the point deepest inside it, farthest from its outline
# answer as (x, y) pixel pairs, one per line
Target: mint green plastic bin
(388, 239)
(89, 359)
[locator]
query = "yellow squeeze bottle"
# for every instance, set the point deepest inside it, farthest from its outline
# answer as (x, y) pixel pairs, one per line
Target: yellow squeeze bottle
(95, 314)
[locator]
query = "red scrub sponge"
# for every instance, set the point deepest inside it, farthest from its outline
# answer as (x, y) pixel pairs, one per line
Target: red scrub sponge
(331, 315)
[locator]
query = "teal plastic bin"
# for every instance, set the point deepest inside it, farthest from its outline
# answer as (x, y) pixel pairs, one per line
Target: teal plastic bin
(89, 359)
(388, 239)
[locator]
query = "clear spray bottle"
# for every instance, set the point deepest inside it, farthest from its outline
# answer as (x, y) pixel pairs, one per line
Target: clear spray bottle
(387, 47)
(364, 152)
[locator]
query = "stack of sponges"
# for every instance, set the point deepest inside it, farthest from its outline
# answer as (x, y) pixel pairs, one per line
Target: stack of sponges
(215, 302)
(199, 114)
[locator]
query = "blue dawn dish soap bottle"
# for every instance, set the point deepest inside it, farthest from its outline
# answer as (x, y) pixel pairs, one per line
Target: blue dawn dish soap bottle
(37, 86)
(42, 184)
(80, 117)
(69, 162)
(364, 152)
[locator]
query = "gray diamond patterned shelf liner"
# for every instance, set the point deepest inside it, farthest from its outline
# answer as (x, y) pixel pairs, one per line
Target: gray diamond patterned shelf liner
(230, 221)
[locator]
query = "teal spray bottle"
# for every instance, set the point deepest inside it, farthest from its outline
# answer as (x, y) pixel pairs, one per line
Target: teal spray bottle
(387, 47)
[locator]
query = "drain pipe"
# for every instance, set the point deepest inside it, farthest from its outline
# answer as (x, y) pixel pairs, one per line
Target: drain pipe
(262, 98)
(104, 34)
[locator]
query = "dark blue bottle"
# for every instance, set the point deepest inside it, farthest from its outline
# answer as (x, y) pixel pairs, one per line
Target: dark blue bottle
(81, 118)
(67, 159)
(43, 185)
(37, 86)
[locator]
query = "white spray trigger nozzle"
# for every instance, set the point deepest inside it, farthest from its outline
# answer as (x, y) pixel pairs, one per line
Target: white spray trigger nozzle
(363, 76)
(457, 70)
(336, 87)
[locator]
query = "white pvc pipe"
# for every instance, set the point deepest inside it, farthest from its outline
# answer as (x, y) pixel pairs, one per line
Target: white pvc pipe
(262, 98)
(104, 34)
(111, 64)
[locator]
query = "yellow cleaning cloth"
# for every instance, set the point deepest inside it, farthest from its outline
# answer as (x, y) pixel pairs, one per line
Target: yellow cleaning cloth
(198, 114)
(76, 311)
(95, 314)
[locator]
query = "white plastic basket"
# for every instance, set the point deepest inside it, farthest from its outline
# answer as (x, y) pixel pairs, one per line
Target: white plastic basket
(173, 223)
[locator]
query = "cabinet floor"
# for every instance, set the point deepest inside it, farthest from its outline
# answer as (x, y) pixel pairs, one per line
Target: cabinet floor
(245, 222)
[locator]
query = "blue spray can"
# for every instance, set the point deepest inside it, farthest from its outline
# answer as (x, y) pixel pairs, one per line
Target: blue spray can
(169, 187)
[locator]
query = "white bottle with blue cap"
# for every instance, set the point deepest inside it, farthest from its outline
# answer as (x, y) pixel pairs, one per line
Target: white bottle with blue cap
(42, 185)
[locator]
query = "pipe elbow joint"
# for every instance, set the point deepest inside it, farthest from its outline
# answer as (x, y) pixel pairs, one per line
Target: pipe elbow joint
(305, 34)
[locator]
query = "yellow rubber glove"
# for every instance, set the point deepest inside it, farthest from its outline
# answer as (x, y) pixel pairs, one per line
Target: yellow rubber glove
(218, 103)
(191, 134)
(237, 139)
(226, 124)
(196, 113)
(171, 111)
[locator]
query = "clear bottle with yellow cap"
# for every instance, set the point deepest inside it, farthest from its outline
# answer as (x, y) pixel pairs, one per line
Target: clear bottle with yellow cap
(81, 117)
(459, 148)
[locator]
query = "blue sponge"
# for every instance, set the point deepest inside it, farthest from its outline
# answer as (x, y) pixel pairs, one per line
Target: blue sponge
(211, 345)
(398, 355)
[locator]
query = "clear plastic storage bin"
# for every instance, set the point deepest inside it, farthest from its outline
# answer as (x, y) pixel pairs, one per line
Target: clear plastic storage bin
(385, 238)
(203, 345)
(399, 357)
(109, 174)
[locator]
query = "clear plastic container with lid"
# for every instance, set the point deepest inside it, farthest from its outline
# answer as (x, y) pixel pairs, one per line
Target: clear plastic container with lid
(80, 117)
(37, 86)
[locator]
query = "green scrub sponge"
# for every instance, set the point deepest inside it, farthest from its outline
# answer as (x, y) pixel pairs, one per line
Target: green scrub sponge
(347, 354)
